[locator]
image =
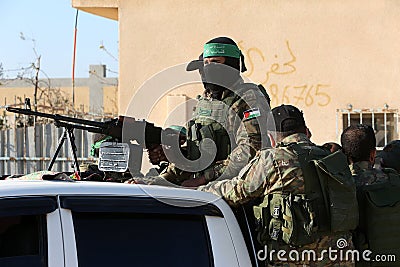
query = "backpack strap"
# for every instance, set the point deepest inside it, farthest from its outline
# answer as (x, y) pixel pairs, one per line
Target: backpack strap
(243, 87)
(393, 175)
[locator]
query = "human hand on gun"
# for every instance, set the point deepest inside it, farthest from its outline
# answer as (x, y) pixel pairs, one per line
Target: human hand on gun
(156, 152)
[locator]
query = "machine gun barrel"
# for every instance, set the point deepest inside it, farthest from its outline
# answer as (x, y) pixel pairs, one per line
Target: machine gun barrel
(143, 132)
(122, 129)
(57, 117)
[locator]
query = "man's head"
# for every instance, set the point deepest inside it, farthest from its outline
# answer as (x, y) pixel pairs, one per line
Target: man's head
(223, 50)
(221, 69)
(288, 120)
(390, 156)
(359, 143)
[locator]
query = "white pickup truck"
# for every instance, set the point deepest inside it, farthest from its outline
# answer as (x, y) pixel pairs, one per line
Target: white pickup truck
(71, 224)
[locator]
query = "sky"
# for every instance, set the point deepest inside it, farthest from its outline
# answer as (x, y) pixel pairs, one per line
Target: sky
(47, 27)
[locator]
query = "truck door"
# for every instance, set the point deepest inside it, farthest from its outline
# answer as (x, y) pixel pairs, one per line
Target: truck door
(30, 232)
(135, 231)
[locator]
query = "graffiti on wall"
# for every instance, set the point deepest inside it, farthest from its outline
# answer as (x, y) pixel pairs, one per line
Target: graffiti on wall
(302, 93)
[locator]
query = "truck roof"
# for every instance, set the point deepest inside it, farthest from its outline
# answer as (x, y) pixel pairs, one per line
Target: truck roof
(12, 188)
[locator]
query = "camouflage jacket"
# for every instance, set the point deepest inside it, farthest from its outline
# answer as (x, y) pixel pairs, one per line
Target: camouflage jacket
(245, 122)
(248, 132)
(276, 170)
(261, 176)
(364, 173)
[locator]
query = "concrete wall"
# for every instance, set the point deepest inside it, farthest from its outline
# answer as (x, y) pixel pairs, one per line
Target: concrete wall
(318, 55)
(96, 94)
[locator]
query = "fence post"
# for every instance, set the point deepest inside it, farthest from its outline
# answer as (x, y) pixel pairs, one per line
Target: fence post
(58, 132)
(11, 151)
(39, 147)
(30, 165)
(19, 143)
(48, 138)
(79, 144)
(2, 150)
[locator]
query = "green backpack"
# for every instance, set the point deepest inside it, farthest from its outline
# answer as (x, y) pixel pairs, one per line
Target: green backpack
(379, 220)
(329, 204)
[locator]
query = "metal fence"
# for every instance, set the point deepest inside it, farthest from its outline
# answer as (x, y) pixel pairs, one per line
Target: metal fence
(385, 122)
(30, 149)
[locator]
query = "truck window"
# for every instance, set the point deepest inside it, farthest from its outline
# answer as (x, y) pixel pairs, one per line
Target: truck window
(141, 239)
(23, 230)
(23, 240)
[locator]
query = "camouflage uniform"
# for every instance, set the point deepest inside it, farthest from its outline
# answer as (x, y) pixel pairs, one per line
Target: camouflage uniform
(248, 135)
(389, 156)
(364, 173)
(275, 170)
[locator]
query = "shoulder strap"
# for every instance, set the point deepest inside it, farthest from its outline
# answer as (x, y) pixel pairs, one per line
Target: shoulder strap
(242, 87)
(259, 87)
(230, 99)
(264, 92)
(393, 176)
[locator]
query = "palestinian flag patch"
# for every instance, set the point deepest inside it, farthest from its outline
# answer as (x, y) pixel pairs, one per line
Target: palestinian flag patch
(251, 113)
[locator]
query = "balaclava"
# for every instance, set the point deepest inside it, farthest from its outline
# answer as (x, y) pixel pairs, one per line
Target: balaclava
(217, 76)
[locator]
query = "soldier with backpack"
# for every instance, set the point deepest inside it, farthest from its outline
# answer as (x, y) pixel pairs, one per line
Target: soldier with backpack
(305, 197)
(358, 142)
(378, 193)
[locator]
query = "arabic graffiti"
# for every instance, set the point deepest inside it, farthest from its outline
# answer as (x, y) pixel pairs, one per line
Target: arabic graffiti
(307, 94)
(299, 94)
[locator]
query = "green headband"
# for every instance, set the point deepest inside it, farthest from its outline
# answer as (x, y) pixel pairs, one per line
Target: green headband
(180, 129)
(221, 50)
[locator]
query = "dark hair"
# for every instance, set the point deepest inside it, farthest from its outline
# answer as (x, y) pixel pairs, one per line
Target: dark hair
(358, 141)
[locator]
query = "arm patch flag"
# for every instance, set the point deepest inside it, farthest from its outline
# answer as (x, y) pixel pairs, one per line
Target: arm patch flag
(251, 113)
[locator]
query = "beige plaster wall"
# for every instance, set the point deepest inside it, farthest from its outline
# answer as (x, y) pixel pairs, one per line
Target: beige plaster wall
(81, 97)
(8, 98)
(318, 55)
(11, 95)
(110, 99)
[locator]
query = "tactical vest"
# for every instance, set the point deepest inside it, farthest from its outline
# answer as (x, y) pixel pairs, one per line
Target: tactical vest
(328, 205)
(380, 219)
(210, 120)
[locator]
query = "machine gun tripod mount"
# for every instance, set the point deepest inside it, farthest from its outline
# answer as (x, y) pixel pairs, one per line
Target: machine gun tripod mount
(145, 134)
(69, 124)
